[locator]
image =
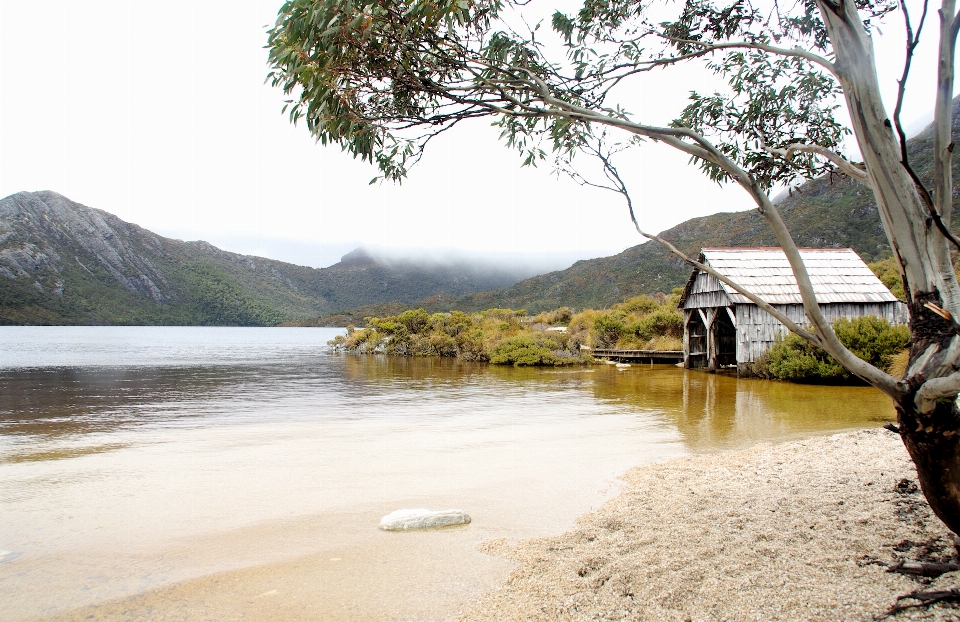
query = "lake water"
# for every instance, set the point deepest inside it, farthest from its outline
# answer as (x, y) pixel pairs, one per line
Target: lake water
(211, 473)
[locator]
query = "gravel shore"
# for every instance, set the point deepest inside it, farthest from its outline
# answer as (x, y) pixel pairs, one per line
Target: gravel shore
(798, 531)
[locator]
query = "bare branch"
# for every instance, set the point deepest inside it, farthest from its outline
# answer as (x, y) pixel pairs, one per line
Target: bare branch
(943, 117)
(913, 40)
(845, 165)
(795, 52)
(936, 389)
(620, 187)
(878, 378)
(705, 150)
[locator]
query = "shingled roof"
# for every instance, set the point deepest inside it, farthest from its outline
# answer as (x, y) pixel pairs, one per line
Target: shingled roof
(838, 275)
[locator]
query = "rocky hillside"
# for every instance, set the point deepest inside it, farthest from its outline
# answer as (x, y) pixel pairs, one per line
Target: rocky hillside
(65, 263)
(833, 212)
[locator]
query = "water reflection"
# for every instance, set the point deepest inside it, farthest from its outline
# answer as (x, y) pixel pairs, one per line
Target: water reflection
(718, 411)
(710, 411)
(138, 466)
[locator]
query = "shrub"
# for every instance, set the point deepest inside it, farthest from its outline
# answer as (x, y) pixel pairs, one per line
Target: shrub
(640, 305)
(871, 338)
(664, 322)
(497, 335)
(362, 340)
(415, 320)
(387, 326)
(399, 344)
(470, 346)
(607, 329)
(442, 344)
(420, 345)
(504, 314)
(525, 350)
(557, 317)
(456, 323)
(664, 343)
(796, 359)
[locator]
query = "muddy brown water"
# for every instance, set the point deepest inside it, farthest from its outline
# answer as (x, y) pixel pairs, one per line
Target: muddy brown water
(214, 473)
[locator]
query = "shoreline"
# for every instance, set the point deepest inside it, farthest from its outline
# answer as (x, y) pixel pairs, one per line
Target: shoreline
(798, 530)
(802, 530)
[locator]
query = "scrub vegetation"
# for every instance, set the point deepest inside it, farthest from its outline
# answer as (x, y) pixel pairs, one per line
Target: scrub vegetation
(871, 338)
(512, 337)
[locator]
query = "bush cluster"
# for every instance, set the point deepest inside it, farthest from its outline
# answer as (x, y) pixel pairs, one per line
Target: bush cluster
(640, 323)
(871, 338)
(509, 337)
(496, 335)
(529, 350)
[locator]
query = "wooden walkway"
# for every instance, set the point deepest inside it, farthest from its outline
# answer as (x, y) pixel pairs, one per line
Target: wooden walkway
(652, 356)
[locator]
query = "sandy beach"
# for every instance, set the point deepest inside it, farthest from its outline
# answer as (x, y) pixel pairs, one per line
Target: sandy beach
(796, 531)
(802, 530)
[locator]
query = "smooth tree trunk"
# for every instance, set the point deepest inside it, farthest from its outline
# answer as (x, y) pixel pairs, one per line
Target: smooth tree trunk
(929, 421)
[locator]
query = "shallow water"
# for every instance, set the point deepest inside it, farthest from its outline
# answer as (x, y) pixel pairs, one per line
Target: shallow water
(185, 459)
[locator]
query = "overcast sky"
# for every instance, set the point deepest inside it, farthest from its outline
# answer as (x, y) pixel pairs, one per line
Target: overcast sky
(157, 111)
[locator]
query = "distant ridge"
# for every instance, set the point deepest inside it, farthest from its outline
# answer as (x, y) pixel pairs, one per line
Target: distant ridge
(64, 263)
(833, 212)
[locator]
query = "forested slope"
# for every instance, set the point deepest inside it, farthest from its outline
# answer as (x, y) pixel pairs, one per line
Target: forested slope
(65, 263)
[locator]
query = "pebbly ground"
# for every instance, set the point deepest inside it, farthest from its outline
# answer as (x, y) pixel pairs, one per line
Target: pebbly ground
(797, 531)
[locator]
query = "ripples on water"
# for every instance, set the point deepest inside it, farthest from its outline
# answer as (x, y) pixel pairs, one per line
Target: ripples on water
(124, 449)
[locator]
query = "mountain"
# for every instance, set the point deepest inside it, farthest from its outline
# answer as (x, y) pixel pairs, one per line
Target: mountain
(65, 263)
(830, 211)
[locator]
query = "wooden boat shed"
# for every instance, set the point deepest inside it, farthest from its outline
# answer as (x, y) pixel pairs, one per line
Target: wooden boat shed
(722, 328)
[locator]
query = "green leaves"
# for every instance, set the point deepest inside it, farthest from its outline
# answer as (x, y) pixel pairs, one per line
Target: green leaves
(382, 78)
(358, 73)
(773, 101)
(871, 338)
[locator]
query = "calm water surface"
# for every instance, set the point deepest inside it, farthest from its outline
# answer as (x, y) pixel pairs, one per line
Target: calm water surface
(134, 460)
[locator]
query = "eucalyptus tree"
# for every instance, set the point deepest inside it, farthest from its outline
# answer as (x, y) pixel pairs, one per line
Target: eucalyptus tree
(381, 78)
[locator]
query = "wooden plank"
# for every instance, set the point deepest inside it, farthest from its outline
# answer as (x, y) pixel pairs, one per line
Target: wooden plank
(659, 356)
(712, 340)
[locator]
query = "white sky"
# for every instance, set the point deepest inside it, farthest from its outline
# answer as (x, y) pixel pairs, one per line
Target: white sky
(157, 111)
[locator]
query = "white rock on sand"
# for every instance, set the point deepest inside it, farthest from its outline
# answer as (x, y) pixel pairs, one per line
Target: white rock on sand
(410, 520)
(797, 531)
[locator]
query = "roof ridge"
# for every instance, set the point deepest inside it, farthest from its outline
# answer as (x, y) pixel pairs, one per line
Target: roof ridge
(839, 276)
(771, 248)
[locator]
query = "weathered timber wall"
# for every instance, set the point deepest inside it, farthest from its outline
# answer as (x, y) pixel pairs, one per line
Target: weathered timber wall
(706, 292)
(757, 330)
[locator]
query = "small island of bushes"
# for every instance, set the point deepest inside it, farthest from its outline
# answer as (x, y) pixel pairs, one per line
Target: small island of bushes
(562, 337)
(511, 337)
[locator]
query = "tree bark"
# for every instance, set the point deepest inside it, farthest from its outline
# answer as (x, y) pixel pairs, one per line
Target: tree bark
(931, 435)
(934, 446)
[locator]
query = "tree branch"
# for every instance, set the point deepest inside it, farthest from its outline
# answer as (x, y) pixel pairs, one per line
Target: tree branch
(763, 47)
(943, 118)
(936, 389)
(846, 166)
(614, 175)
(706, 151)
(913, 40)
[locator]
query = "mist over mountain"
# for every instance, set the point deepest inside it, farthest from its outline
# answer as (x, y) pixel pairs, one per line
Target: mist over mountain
(827, 212)
(64, 263)
(521, 265)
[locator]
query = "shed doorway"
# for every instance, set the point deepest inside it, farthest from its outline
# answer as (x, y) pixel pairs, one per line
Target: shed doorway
(697, 344)
(725, 334)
